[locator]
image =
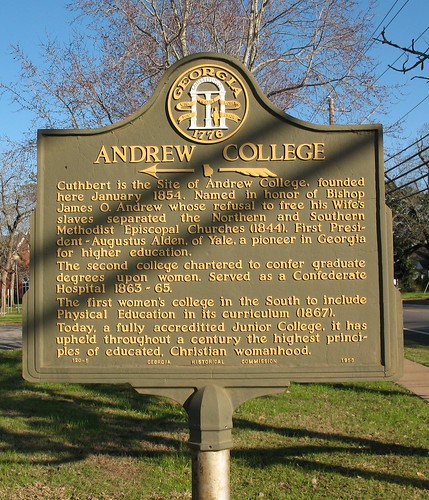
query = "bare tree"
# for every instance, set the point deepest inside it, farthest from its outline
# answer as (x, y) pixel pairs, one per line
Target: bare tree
(300, 51)
(414, 58)
(17, 199)
(408, 196)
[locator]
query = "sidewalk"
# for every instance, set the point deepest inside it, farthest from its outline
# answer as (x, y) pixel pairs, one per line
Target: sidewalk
(415, 379)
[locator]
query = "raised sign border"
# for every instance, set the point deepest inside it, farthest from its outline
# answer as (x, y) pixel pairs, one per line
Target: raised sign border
(185, 380)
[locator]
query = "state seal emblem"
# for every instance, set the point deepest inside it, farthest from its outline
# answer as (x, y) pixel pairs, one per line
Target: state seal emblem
(208, 103)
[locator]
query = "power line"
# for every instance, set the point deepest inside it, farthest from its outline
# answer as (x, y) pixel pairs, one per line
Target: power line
(370, 44)
(389, 66)
(403, 150)
(412, 109)
(399, 57)
(413, 169)
(407, 159)
(396, 15)
(424, 176)
(424, 163)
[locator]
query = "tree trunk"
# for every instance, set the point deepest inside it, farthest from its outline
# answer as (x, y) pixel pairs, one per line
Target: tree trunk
(3, 309)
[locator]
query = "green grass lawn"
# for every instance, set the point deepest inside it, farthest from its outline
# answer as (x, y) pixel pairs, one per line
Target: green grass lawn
(317, 441)
(415, 295)
(11, 318)
(416, 352)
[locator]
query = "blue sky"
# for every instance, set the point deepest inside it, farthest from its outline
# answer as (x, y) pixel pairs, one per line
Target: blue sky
(26, 22)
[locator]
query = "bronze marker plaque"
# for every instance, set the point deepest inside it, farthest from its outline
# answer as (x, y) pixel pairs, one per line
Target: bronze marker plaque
(210, 238)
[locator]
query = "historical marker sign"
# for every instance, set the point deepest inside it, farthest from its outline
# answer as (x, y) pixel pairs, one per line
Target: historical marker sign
(210, 238)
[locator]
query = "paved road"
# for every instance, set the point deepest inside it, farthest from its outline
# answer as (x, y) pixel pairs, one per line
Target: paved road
(416, 321)
(10, 337)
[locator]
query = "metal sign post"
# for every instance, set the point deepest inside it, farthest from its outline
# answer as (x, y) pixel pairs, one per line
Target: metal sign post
(210, 475)
(210, 423)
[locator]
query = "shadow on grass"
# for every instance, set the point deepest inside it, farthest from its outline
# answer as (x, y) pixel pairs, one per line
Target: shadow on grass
(365, 388)
(309, 449)
(298, 456)
(62, 423)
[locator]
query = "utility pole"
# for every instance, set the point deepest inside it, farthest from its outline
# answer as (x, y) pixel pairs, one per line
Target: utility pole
(331, 110)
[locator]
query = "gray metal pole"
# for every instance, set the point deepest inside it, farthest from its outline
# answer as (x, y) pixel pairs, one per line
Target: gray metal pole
(210, 475)
(331, 111)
